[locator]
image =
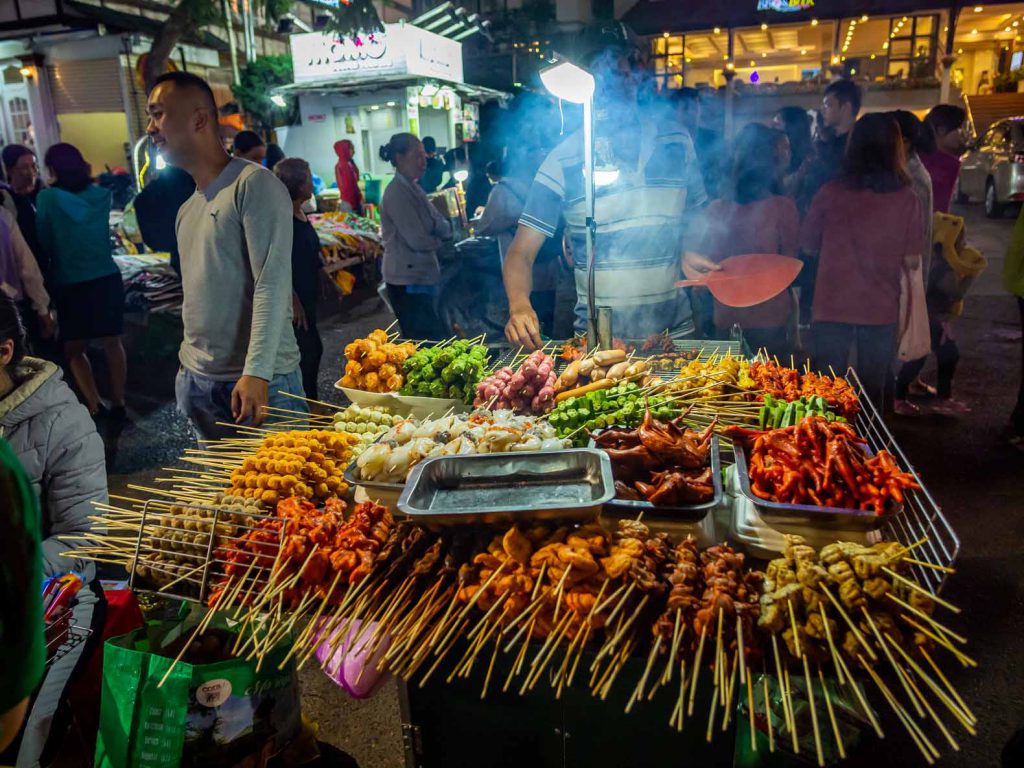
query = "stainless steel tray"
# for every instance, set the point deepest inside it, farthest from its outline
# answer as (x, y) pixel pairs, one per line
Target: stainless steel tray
(505, 487)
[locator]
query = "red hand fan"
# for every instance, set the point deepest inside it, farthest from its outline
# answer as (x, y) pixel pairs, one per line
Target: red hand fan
(749, 278)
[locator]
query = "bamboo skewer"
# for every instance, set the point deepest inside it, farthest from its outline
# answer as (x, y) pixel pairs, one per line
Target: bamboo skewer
(927, 750)
(938, 627)
(750, 715)
(638, 692)
(856, 632)
(768, 713)
(696, 669)
(949, 686)
(942, 640)
(936, 689)
(925, 564)
(892, 661)
(831, 715)
(918, 588)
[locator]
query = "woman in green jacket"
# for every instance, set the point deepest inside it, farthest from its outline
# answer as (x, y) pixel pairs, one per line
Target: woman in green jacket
(21, 606)
(73, 223)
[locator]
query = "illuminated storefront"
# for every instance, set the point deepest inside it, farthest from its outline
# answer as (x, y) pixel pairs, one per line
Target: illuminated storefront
(794, 45)
(367, 88)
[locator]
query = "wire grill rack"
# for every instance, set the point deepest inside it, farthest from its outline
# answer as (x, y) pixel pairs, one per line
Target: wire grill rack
(921, 517)
(62, 637)
(182, 551)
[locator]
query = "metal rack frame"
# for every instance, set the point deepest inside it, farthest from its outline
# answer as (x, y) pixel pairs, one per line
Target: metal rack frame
(921, 516)
(209, 568)
(76, 635)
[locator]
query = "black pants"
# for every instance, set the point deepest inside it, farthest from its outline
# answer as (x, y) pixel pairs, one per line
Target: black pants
(416, 313)
(875, 346)
(311, 350)
(947, 355)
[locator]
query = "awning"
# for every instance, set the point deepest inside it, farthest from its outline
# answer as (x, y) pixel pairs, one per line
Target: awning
(355, 86)
(74, 16)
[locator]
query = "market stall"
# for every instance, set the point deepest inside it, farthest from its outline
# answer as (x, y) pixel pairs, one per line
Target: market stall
(690, 548)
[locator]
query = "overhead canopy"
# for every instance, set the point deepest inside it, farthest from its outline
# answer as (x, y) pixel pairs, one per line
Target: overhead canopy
(354, 86)
(68, 16)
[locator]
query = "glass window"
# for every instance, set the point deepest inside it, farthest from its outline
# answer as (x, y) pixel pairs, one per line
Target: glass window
(899, 49)
(667, 59)
(912, 46)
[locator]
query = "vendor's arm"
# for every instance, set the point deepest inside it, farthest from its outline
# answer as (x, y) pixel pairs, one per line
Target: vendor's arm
(28, 269)
(542, 213)
(523, 328)
(267, 224)
(266, 214)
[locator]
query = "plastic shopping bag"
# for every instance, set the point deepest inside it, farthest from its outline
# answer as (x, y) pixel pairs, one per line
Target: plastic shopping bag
(915, 339)
(214, 715)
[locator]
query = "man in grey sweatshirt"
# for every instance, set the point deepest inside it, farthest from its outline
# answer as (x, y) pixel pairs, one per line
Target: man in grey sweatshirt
(235, 238)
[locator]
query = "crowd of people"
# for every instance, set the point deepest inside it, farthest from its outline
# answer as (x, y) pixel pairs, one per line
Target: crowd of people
(684, 201)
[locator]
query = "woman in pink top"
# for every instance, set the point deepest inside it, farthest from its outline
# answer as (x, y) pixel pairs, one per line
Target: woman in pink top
(863, 227)
(755, 218)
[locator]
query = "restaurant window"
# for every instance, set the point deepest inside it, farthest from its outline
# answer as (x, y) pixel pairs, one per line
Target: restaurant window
(667, 58)
(913, 42)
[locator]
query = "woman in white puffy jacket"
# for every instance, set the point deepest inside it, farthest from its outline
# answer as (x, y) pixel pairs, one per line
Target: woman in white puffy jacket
(56, 441)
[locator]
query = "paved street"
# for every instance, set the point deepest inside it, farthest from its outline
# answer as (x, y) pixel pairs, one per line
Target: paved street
(969, 467)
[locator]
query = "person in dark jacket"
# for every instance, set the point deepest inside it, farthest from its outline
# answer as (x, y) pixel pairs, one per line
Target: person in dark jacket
(346, 173)
(23, 177)
(274, 155)
(56, 441)
(156, 210)
(294, 173)
(73, 222)
(434, 172)
(249, 146)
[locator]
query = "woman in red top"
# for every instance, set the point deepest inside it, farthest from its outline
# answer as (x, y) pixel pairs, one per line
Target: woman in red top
(346, 173)
(863, 227)
(756, 218)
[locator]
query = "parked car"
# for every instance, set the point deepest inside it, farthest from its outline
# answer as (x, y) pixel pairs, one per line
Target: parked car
(992, 169)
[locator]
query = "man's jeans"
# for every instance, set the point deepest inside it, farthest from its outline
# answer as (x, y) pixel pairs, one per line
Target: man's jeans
(206, 402)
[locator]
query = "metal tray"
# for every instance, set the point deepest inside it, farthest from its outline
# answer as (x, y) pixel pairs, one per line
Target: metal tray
(689, 513)
(505, 487)
(788, 516)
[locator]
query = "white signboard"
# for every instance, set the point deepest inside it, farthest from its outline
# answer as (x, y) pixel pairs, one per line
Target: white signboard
(401, 49)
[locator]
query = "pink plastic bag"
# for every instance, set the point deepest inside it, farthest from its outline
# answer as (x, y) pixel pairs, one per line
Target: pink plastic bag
(353, 668)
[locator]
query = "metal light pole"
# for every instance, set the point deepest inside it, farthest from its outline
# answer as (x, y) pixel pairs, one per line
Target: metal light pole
(572, 83)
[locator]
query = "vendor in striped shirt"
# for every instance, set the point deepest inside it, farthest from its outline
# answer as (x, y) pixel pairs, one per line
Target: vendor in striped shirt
(641, 220)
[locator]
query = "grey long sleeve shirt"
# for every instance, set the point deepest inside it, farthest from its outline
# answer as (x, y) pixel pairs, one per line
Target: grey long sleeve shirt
(235, 239)
(412, 230)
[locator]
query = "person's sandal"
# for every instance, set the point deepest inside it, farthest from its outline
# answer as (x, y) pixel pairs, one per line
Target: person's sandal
(919, 388)
(905, 408)
(947, 406)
